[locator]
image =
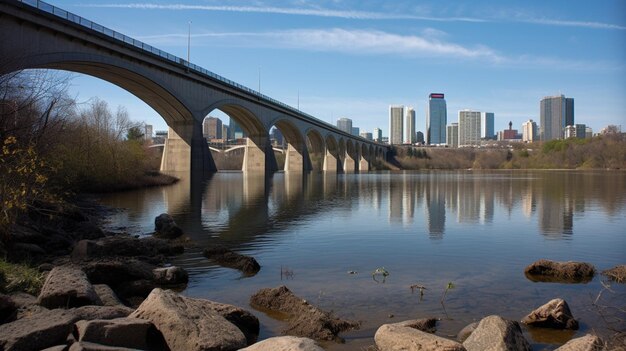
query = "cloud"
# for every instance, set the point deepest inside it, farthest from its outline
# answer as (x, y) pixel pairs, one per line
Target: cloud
(361, 15)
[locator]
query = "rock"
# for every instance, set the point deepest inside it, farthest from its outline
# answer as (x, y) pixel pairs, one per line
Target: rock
(284, 343)
(189, 324)
(102, 312)
(466, 332)
(398, 337)
(228, 258)
(616, 274)
(107, 295)
(26, 305)
(67, 287)
(90, 346)
(8, 308)
(305, 319)
(495, 333)
(585, 343)
(141, 288)
(124, 245)
(28, 249)
(242, 319)
(41, 330)
(165, 227)
(564, 272)
(428, 325)
(170, 276)
(118, 271)
(125, 332)
(554, 314)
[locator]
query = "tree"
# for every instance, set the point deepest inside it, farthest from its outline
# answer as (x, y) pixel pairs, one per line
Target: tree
(134, 134)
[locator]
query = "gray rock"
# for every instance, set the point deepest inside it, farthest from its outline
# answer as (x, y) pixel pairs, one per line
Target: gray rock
(495, 333)
(118, 271)
(392, 337)
(242, 319)
(466, 332)
(225, 257)
(30, 249)
(56, 348)
(67, 287)
(90, 346)
(189, 324)
(165, 227)
(428, 325)
(102, 312)
(554, 314)
(124, 332)
(41, 330)
(170, 276)
(107, 295)
(124, 245)
(585, 343)
(284, 343)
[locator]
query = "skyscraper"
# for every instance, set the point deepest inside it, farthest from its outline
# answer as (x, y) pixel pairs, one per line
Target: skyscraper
(395, 124)
(452, 135)
(345, 124)
(212, 128)
(469, 128)
(235, 130)
(556, 112)
(409, 138)
(378, 135)
(529, 131)
(436, 119)
(487, 130)
(356, 131)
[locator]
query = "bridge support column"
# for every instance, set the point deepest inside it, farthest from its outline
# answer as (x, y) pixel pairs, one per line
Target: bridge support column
(330, 162)
(293, 159)
(254, 155)
(349, 165)
(364, 164)
(186, 150)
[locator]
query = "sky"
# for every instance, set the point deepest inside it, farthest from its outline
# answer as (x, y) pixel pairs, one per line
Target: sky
(353, 59)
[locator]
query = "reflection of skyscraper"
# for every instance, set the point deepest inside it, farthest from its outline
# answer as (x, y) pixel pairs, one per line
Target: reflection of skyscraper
(408, 198)
(395, 202)
(436, 119)
(436, 208)
(556, 217)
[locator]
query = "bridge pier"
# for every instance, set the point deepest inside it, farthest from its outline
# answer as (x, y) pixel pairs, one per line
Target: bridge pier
(255, 155)
(349, 164)
(186, 150)
(293, 159)
(364, 164)
(330, 162)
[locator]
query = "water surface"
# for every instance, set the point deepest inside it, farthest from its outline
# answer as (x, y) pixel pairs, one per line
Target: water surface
(477, 230)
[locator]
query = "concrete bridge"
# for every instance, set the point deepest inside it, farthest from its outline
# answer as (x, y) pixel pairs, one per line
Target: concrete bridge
(34, 34)
(226, 150)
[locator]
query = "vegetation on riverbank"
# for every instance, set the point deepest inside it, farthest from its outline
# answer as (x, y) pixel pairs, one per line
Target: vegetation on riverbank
(601, 152)
(53, 146)
(20, 277)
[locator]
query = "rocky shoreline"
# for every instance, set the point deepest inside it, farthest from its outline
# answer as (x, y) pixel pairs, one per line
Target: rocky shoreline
(112, 291)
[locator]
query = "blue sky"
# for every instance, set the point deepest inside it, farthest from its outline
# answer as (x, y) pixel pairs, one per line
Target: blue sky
(355, 58)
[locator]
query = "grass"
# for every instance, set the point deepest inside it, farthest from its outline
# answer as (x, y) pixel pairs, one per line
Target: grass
(20, 277)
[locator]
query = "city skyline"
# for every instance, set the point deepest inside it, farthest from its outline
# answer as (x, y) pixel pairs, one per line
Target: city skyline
(330, 58)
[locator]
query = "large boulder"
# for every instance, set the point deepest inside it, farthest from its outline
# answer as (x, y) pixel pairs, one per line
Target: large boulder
(125, 332)
(562, 272)
(124, 245)
(304, 319)
(107, 295)
(495, 333)
(584, 343)
(189, 324)
(391, 337)
(244, 320)
(284, 343)
(40, 330)
(228, 258)
(165, 227)
(170, 276)
(118, 271)
(554, 314)
(90, 346)
(428, 325)
(102, 312)
(66, 287)
(466, 331)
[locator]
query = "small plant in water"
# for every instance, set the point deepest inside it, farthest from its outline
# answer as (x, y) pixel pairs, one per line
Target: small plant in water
(450, 286)
(286, 273)
(380, 271)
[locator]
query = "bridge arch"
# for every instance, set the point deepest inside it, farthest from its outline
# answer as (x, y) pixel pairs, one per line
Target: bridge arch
(316, 147)
(351, 156)
(296, 157)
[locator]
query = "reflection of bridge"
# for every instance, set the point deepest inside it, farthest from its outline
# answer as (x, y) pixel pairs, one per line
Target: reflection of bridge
(44, 36)
(225, 150)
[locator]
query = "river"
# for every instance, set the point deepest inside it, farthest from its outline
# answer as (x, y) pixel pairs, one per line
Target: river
(475, 229)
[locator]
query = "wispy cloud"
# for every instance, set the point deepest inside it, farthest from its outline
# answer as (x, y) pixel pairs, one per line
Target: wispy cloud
(361, 15)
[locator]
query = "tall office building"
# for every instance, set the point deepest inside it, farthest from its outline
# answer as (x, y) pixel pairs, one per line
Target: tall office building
(225, 132)
(345, 124)
(378, 135)
(366, 135)
(356, 131)
(487, 130)
(436, 119)
(452, 135)
(235, 130)
(409, 137)
(556, 112)
(147, 134)
(419, 137)
(469, 128)
(212, 128)
(529, 131)
(396, 113)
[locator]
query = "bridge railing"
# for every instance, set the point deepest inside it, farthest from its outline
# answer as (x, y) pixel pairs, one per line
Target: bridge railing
(51, 9)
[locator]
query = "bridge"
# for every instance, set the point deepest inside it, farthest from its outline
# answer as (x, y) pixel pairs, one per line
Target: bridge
(226, 150)
(34, 34)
